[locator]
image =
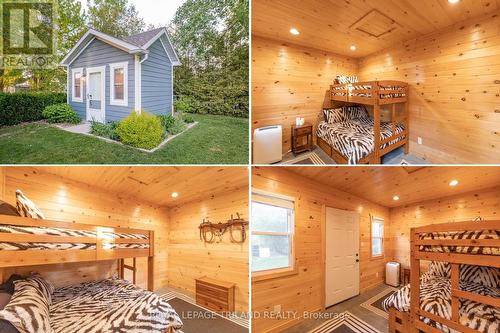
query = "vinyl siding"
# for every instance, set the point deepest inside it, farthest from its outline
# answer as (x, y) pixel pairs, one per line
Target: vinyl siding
(98, 54)
(156, 81)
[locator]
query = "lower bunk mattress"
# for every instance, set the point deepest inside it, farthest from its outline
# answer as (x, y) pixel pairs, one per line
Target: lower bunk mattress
(435, 297)
(354, 138)
(110, 306)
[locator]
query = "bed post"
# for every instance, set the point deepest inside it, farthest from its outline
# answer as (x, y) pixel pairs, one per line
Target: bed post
(1, 275)
(151, 268)
(414, 282)
(407, 119)
(376, 126)
(455, 285)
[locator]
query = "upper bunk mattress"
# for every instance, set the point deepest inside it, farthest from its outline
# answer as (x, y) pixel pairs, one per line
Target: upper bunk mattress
(33, 230)
(483, 234)
(354, 138)
(110, 306)
(435, 297)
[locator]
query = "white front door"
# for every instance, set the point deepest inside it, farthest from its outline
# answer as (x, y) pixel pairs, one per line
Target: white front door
(96, 97)
(342, 255)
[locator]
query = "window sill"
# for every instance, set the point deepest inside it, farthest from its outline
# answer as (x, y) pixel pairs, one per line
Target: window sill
(118, 103)
(377, 257)
(275, 274)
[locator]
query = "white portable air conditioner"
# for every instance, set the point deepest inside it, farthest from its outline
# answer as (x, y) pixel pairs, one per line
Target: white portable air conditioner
(267, 145)
(392, 274)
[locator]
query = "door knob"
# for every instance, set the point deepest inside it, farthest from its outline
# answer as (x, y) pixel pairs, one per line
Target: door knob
(357, 260)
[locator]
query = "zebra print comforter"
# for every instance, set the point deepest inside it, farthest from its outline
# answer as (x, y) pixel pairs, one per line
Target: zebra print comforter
(17, 246)
(354, 138)
(435, 294)
(110, 306)
(484, 234)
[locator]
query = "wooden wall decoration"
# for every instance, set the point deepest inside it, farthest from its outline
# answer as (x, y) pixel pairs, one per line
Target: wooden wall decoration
(462, 207)
(213, 232)
(290, 81)
(304, 291)
(67, 200)
(189, 258)
(454, 77)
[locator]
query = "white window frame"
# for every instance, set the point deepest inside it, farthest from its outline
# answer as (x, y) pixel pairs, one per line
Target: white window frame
(382, 222)
(112, 99)
(75, 71)
(277, 200)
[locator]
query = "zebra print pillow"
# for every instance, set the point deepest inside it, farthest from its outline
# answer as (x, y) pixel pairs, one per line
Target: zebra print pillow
(345, 79)
(483, 275)
(43, 285)
(28, 309)
(26, 207)
(334, 115)
(357, 112)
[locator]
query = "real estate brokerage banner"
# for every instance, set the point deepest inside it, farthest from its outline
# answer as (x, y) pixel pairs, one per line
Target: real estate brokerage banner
(28, 34)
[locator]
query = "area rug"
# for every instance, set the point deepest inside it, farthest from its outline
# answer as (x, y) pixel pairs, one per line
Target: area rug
(310, 158)
(404, 162)
(345, 323)
(374, 304)
(199, 319)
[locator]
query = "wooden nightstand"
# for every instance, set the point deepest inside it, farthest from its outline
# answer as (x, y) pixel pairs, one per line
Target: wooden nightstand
(215, 295)
(405, 276)
(302, 138)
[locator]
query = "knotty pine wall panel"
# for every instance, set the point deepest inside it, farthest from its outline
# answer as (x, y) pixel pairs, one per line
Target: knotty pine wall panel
(454, 77)
(290, 81)
(303, 292)
(190, 258)
(66, 200)
(457, 208)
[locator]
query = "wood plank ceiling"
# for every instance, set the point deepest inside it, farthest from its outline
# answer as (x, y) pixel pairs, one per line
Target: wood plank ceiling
(410, 184)
(370, 25)
(156, 184)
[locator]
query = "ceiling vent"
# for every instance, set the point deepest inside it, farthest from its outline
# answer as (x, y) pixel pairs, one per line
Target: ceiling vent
(375, 24)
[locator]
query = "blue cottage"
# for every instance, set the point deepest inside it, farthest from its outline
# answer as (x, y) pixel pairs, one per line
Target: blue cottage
(110, 77)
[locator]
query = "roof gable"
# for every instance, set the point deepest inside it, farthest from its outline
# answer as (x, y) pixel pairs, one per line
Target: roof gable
(135, 44)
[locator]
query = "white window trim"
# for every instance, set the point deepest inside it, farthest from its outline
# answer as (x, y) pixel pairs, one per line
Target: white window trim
(73, 97)
(112, 100)
(137, 83)
(380, 220)
(257, 196)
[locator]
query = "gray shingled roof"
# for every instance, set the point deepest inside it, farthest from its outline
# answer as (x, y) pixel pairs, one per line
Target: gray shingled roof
(142, 38)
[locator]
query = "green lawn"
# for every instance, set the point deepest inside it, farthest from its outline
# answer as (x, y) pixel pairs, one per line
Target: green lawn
(215, 140)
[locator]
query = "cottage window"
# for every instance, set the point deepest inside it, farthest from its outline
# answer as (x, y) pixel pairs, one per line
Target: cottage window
(119, 84)
(377, 236)
(77, 86)
(272, 230)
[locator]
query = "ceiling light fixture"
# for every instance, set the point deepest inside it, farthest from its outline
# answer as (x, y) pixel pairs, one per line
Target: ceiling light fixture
(453, 1)
(294, 31)
(395, 198)
(454, 182)
(353, 47)
(175, 194)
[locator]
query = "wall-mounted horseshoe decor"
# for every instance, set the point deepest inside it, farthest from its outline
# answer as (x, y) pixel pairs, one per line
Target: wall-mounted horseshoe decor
(213, 232)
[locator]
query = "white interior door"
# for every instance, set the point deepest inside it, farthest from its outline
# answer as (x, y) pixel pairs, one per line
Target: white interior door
(342, 255)
(96, 94)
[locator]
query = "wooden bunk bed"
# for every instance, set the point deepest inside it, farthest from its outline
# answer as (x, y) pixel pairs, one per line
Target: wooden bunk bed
(29, 242)
(457, 251)
(375, 94)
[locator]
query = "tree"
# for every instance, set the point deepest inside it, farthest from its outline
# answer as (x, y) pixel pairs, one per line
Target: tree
(115, 17)
(211, 38)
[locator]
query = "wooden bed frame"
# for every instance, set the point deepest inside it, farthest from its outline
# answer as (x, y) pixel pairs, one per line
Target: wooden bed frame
(45, 257)
(376, 101)
(409, 322)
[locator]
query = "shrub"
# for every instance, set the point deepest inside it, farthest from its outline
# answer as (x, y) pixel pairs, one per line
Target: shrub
(60, 113)
(26, 106)
(104, 130)
(142, 130)
(167, 120)
(188, 119)
(177, 127)
(183, 104)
